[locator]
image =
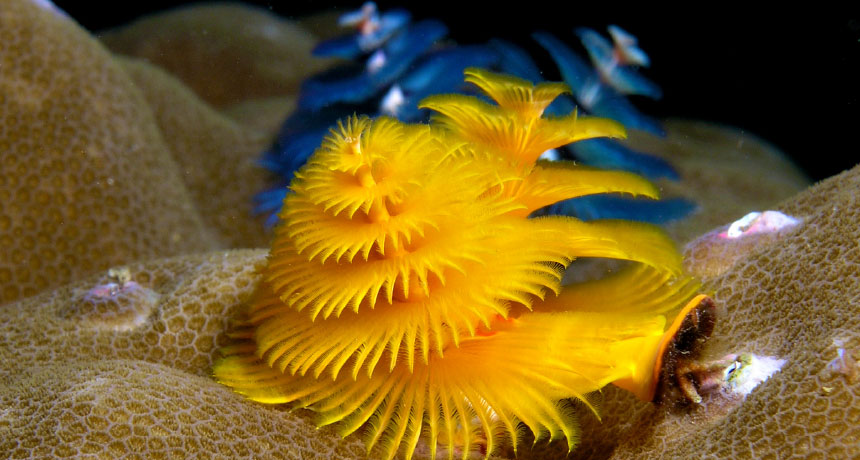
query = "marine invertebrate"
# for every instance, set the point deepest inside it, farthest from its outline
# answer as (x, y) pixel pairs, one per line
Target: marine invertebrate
(407, 289)
(120, 304)
(733, 376)
(759, 222)
(616, 62)
(373, 29)
(845, 363)
(596, 92)
(600, 91)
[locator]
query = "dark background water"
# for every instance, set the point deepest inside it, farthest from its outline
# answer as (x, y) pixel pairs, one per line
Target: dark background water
(792, 81)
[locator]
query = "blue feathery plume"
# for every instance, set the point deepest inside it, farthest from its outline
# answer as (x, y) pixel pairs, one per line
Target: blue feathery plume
(593, 95)
(352, 46)
(610, 154)
(612, 206)
(623, 78)
(397, 63)
(382, 68)
(439, 72)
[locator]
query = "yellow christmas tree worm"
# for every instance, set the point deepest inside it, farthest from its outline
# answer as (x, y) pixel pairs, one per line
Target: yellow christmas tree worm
(408, 294)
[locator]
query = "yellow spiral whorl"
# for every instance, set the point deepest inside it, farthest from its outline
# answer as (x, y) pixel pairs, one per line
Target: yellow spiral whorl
(408, 293)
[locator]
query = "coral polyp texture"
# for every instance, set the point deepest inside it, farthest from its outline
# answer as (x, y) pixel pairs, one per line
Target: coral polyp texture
(170, 311)
(214, 152)
(226, 53)
(130, 409)
(408, 292)
(79, 193)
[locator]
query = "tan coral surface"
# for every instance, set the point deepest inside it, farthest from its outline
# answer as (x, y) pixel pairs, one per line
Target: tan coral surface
(265, 115)
(86, 180)
(122, 409)
(226, 53)
(217, 155)
(171, 311)
(712, 253)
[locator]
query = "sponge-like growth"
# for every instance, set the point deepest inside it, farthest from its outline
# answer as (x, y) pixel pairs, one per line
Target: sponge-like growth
(86, 180)
(226, 53)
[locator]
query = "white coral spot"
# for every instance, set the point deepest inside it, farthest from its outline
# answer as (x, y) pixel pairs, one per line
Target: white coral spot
(751, 371)
(760, 222)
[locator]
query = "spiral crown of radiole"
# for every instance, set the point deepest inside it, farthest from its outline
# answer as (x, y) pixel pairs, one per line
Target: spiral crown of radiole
(409, 295)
